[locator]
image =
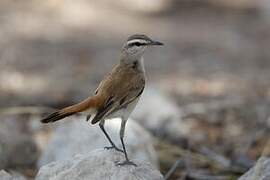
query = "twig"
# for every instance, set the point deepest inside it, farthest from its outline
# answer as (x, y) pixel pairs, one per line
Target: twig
(216, 157)
(200, 176)
(168, 153)
(173, 169)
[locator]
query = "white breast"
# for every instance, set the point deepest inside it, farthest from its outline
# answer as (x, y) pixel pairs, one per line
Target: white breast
(125, 112)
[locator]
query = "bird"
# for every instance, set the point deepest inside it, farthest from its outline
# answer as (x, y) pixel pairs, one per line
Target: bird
(117, 94)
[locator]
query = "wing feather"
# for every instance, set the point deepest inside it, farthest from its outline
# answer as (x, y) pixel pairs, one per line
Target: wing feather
(121, 87)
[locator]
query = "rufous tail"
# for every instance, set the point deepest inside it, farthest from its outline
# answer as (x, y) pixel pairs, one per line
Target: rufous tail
(90, 103)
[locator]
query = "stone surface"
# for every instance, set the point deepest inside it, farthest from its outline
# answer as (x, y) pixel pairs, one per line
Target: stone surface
(14, 176)
(158, 113)
(97, 165)
(261, 171)
(17, 147)
(77, 136)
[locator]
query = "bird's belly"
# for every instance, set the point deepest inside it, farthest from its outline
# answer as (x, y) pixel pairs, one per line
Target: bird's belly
(124, 112)
(117, 114)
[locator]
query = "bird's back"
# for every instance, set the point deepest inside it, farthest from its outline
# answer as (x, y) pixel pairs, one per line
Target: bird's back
(123, 80)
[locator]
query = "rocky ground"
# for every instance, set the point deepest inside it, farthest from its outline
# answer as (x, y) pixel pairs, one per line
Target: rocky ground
(206, 105)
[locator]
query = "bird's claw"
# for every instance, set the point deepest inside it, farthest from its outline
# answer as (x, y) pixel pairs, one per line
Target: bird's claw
(127, 162)
(114, 147)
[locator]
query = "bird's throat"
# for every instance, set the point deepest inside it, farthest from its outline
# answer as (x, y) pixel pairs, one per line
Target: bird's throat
(137, 65)
(140, 65)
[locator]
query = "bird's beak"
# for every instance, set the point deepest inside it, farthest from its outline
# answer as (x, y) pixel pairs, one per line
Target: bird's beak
(155, 43)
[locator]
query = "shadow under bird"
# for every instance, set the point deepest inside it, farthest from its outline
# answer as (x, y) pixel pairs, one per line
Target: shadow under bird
(117, 94)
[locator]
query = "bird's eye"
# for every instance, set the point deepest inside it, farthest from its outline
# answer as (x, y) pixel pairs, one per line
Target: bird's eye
(137, 44)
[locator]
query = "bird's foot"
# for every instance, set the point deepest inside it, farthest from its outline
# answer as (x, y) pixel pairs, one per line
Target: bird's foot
(127, 162)
(114, 147)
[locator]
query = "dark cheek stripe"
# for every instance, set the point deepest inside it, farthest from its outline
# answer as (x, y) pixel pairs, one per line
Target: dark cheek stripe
(136, 44)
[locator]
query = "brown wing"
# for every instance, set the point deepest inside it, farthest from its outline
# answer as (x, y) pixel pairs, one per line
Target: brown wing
(119, 88)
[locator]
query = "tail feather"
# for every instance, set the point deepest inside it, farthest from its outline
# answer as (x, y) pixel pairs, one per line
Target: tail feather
(90, 103)
(58, 115)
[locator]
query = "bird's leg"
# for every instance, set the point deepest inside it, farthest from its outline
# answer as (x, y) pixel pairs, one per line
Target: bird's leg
(122, 132)
(88, 117)
(113, 146)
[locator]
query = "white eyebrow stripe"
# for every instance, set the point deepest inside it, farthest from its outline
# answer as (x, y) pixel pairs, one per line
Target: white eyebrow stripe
(142, 41)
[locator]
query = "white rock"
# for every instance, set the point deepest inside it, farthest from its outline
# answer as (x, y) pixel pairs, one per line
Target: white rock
(261, 171)
(6, 176)
(158, 113)
(77, 136)
(98, 165)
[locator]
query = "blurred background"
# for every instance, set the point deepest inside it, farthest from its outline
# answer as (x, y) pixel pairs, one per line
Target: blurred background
(214, 72)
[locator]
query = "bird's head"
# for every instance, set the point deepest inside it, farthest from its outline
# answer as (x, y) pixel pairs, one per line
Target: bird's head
(136, 44)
